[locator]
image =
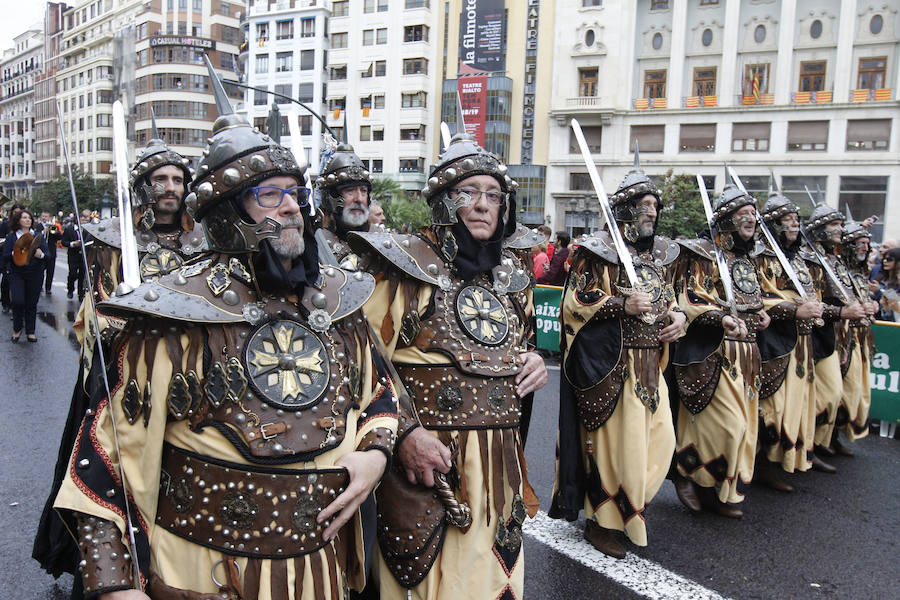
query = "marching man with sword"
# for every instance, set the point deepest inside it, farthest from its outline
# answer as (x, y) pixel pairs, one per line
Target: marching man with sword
(619, 314)
(717, 363)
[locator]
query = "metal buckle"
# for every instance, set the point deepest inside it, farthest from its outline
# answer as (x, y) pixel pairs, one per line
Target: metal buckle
(165, 482)
(262, 431)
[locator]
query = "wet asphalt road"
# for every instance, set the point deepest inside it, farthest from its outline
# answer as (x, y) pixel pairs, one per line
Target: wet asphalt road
(835, 538)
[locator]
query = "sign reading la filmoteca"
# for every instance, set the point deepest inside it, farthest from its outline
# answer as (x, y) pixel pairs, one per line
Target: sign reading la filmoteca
(482, 30)
(181, 40)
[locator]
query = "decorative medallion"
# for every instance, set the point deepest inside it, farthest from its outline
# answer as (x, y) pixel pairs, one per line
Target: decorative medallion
(216, 386)
(306, 509)
(131, 402)
(319, 320)
(409, 327)
(180, 494)
(579, 282)
(218, 279)
(450, 247)
(238, 271)
(802, 272)
(196, 268)
(497, 397)
(179, 398)
(444, 282)
(156, 264)
(281, 158)
(106, 282)
(235, 379)
(744, 276)
(287, 364)
(238, 509)
(448, 397)
(353, 375)
(252, 313)
(481, 315)
(843, 274)
(649, 281)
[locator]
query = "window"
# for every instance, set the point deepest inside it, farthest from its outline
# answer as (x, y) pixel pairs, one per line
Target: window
(865, 196)
(589, 38)
(408, 133)
(230, 35)
(262, 32)
(704, 81)
(592, 135)
(340, 8)
(580, 181)
(284, 89)
(284, 30)
(104, 143)
(698, 138)
(307, 92)
(262, 63)
(371, 6)
(337, 104)
(413, 100)
(587, 82)
(657, 41)
(104, 120)
(368, 37)
(756, 79)
(339, 40)
(706, 37)
(655, 84)
(659, 4)
(307, 60)
(868, 134)
(812, 76)
(649, 137)
(377, 165)
(415, 33)
(876, 24)
(381, 36)
(365, 133)
(750, 137)
(415, 66)
(198, 5)
(284, 62)
(380, 68)
(378, 134)
(815, 30)
(417, 3)
(587, 3)
(871, 73)
(759, 34)
(305, 124)
(260, 97)
(807, 136)
(225, 8)
(308, 26)
(411, 165)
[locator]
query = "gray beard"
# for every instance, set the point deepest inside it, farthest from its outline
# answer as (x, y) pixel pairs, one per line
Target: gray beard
(288, 248)
(350, 221)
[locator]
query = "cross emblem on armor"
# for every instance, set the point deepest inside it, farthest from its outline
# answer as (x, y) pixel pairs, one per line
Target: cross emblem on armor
(287, 363)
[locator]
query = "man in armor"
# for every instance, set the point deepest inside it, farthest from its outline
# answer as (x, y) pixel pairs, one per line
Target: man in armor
(344, 185)
(453, 308)
(824, 229)
(717, 363)
(249, 416)
(786, 394)
(615, 427)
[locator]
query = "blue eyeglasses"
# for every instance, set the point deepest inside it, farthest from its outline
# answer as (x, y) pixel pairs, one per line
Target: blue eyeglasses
(270, 196)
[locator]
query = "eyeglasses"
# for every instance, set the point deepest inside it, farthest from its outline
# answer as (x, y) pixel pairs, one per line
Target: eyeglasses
(269, 196)
(492, 196)
(888, 259)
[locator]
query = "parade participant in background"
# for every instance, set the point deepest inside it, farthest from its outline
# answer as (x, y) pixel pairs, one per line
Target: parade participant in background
(717, 363)
(887, 295)
(53, 231)
(376, 217)
(24, 251)
(345, 185)
(615, 428)
(72, 243)
(853, 413)
(555, 274)
(540, 260)
(12, 209)
(824, 230)
(453, 308)
(787, 406)
(253, 417)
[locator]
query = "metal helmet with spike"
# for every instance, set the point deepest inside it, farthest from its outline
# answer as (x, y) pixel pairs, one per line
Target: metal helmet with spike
(729, 202)
(157, 154)
(634, 187)
(344, 169)
(776, 207)
(853, 230)
(236, 158)
(821, 216)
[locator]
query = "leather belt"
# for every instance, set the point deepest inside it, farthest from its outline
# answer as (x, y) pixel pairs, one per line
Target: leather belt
(245, 510)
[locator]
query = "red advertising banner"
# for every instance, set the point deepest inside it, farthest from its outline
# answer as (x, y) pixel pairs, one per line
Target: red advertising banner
(473, 97)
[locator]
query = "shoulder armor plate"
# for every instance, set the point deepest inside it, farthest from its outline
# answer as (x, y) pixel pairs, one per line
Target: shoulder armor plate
(523, 238)
(701, 247)
(106, 231)
(409, 253)
(510, 273)
(601, 245)
(808, 255)
(665, 250)
(187, 295)
(758, 249)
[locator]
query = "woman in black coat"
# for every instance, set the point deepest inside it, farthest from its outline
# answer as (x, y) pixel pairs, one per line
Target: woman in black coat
(25, 281)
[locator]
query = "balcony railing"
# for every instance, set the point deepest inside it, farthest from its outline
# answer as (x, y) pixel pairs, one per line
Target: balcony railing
(698, 101)
(585, 102)
(647, 103)
(821, 97)
(878, 95)
(755, 99)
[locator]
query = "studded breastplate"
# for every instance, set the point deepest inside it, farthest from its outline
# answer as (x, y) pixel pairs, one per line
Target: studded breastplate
(744, 283)
(844, 286)
(651, 278)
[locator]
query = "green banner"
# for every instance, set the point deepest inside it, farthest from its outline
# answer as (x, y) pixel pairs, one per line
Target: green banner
(884, 373)
(547, 299)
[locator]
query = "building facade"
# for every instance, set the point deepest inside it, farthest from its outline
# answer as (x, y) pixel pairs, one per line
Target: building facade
(497, 56)
(807, 88)
(286, 53)
(46, 130)
(18, 70)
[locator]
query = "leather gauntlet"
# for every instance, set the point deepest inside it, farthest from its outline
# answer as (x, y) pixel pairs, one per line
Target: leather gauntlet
(710, 317)
(831, 312)
(105, 562)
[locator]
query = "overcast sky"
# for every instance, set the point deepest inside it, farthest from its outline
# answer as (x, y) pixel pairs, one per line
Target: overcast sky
(15, 17)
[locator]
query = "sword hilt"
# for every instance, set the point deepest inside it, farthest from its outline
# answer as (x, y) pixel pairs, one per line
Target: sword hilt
(458, 513)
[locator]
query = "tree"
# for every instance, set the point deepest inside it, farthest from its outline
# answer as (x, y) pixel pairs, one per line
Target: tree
(682, 213)
(55, 195)
(398, 208)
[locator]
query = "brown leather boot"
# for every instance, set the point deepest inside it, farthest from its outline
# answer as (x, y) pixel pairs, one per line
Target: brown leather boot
(710, 501)
(839, 448)
(819, 465)
(766, 474)
(686, 492)
(823, 450)
(603, 539)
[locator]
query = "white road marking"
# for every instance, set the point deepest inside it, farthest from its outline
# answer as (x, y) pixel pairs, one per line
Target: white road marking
(640, 575)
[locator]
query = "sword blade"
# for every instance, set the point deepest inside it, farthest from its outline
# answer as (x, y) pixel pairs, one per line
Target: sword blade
(130, 275)
(618, 242)
(827, 267)
(720, 260)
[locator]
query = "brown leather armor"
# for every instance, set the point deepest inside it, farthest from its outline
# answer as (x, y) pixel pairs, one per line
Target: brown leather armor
(105, 562)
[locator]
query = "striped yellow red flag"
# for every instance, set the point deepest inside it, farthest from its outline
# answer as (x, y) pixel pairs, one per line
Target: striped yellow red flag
(336, 114)
(366, 110)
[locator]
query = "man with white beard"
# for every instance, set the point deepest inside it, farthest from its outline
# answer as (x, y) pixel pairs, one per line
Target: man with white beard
(344, 185)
